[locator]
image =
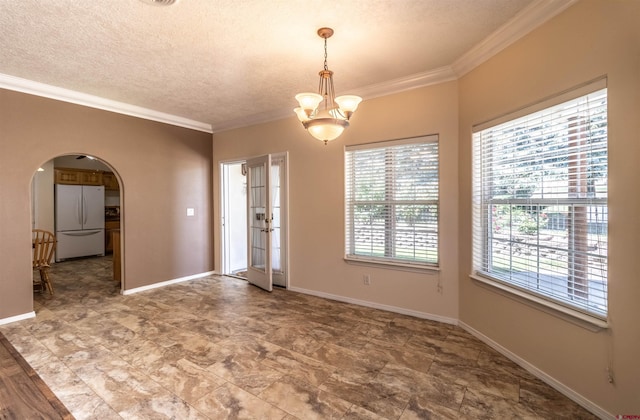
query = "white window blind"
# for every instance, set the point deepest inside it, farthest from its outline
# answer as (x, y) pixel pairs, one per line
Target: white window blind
(540, 203)
(392, 201)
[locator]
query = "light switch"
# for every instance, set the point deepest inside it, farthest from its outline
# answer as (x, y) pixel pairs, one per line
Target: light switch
(191, 211)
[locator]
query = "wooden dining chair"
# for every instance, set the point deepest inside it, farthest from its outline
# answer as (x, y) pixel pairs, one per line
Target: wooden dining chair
(44, 245)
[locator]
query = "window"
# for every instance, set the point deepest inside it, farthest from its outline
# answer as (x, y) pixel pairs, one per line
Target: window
(392, 201)
(540, 203)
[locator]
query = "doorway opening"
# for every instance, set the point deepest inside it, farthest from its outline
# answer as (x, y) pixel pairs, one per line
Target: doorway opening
(235, 220)
(78, 199)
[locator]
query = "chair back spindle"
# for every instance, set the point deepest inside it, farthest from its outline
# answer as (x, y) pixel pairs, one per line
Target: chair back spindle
(44, 246)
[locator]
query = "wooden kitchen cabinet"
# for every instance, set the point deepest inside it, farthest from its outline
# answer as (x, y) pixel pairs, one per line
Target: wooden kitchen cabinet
(91, 177)
(110, 181)
(117, 267)
(67, 176)
(71, 176)
(110, 226)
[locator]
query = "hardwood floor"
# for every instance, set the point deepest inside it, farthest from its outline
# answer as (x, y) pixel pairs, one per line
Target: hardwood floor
(23, 395)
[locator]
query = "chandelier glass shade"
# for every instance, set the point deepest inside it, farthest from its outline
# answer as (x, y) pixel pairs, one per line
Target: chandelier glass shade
(322, 114)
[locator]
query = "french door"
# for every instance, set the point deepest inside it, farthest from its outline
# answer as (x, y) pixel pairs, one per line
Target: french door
(259, 222)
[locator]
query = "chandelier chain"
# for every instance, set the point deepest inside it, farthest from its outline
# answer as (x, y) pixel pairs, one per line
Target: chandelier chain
(326, 67)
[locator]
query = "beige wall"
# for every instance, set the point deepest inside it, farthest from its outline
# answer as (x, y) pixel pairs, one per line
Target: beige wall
(316, 197)
(590, 39)
(162, 169)
(166, 169)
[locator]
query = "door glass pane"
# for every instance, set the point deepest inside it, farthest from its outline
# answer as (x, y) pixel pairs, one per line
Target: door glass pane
(257, 217)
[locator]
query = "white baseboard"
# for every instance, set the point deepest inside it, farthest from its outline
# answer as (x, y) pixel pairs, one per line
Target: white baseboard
(16, 318)
(549, 380)
(166, 283)
(389, 308)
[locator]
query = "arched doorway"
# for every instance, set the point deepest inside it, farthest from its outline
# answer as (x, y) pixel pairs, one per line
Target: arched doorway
(79, 198)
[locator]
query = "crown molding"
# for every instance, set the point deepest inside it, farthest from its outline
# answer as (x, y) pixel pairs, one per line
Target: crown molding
(254, 119)
(414, 81)
(66, 95)
(529, 18)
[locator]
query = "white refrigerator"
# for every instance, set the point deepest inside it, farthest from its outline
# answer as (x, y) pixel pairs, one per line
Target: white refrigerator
(79, 221)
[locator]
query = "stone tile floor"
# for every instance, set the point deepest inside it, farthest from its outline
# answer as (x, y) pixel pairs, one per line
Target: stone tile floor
(220, 348)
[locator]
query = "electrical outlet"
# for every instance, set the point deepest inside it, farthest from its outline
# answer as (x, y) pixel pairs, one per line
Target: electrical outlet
(366, 279)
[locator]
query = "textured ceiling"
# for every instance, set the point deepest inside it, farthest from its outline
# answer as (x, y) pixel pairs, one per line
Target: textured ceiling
(232, 63)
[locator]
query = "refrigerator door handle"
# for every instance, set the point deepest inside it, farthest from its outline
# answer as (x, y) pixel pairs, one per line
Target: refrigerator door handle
(84, 210)
(80, 233)
(79, 210)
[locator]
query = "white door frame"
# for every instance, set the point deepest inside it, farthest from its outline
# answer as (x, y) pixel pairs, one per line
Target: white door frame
(225, 237)
(280, 279)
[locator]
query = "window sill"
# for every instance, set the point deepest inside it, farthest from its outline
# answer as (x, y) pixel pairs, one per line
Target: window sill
(416, 268)
(576, 317)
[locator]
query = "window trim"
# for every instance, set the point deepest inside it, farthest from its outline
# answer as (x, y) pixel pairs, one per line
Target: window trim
(574, 314)
(412, 267)
(388, 262)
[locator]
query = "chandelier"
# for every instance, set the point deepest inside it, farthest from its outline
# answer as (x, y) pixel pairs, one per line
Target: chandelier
(322, 114)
